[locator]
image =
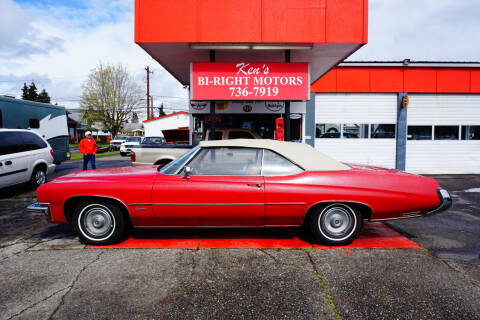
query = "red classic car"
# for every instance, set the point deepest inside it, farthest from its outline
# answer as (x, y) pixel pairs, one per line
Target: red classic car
(238, 183)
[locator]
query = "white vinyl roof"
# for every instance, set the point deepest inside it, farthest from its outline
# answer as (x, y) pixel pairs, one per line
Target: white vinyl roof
(302, 154)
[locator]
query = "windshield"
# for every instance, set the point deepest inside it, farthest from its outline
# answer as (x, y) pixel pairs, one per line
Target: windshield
(152, 140)
(120, 138)
(133, 139)
(173, 166)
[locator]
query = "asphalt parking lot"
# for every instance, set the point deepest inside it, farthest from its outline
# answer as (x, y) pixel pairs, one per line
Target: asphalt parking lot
(46, 273)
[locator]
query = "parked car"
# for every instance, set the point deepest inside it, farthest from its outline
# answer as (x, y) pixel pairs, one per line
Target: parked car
(24, 157)
(152, 141)
(128, 144)
(145, 155)
(238, 183)
(116, 142)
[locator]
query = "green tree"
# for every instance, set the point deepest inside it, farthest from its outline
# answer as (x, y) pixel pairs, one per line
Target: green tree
(31, 93)
(43, 97)
(110, 96)
(25, 92)
(160, 111)
(134, 117)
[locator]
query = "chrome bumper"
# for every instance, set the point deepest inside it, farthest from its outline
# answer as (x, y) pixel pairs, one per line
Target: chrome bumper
(445, 203)
(40, 209)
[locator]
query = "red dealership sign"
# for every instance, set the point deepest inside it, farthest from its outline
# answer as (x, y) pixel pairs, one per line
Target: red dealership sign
(249, 81)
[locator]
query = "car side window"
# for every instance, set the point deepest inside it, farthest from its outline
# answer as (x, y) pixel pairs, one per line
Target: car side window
(11, 142)
(34, 123)
(227, 161)
(32, 142)
(277, 165)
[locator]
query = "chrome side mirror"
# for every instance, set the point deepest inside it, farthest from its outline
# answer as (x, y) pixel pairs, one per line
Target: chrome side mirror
(187, 172)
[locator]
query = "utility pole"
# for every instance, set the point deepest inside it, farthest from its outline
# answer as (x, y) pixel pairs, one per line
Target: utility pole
(148, 91)
(153, 109)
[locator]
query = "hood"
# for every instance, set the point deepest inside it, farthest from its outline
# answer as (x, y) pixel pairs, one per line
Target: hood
(115, 173)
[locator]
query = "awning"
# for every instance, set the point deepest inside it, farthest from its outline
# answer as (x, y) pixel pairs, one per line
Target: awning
(320, 32)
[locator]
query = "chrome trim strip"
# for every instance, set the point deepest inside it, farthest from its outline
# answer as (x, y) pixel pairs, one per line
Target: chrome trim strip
(281, 225)
(140, 209)
(208, 204)
(390, 219)
(218, 204)
(285, 203)
(195, 227)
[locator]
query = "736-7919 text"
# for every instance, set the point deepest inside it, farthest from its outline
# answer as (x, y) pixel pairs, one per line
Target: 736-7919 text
(255, 91)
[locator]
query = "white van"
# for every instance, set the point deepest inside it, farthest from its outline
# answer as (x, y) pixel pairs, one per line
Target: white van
(24, 157)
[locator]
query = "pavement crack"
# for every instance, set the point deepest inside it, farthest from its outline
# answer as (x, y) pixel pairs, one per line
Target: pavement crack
(270, 256)
(324, 286)
(451, 265)
(37, 302)
(70, 287)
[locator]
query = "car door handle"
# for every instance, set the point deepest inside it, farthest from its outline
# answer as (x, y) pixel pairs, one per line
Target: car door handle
(258, 185)
(8, 163)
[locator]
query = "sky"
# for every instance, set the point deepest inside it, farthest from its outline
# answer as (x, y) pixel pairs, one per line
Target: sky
(56, 43)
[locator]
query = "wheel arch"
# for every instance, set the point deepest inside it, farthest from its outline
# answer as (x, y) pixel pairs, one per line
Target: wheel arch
(163, 161)
(70, 203)
(365, 210)
(40, 163)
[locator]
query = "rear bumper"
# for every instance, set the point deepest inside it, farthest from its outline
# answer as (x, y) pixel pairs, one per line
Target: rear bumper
(51, 168)
(39, 208)
(445, 203)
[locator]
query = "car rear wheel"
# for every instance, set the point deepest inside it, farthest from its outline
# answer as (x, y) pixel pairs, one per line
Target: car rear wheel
(336, 224)
(39, 177)
(99, 222)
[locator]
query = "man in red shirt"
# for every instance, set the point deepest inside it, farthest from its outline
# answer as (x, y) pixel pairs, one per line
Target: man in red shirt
(88, 147)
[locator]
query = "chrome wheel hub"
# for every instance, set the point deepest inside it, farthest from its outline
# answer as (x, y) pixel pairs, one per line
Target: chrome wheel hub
(336, 221)
(97, 221)
(40, 177)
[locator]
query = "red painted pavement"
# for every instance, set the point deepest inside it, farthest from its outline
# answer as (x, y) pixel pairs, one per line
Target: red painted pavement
(374, 235)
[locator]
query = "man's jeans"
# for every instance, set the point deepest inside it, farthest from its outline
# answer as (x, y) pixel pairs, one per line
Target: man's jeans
(86, 158)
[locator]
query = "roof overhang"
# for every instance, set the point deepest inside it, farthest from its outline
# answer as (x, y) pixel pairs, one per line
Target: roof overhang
(320, 32)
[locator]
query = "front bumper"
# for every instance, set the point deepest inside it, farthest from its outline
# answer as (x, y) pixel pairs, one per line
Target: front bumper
(445, 203)
(40, 208)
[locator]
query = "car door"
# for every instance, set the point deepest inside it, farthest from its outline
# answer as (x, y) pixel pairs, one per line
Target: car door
(224, 189)
(13, 164)
(286, 191)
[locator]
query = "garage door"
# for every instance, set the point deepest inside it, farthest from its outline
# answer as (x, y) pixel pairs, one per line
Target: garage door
(357, 128)
(443, 133)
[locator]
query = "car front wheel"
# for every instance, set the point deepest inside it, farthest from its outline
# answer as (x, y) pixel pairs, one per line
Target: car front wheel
(336, 224)
(39, 177)
(99, 223)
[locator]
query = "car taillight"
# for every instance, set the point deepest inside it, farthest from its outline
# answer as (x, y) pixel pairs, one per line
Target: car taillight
(52, 153)
(132, 156)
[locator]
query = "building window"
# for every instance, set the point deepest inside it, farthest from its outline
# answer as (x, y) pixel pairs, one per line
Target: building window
(470, 132)
(446, 132)
(355, 131)
(419, 133)
(328, 130)
(382, 131)
(34, 123)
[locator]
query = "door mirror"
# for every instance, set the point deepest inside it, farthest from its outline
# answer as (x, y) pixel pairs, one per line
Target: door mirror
(187, 172)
